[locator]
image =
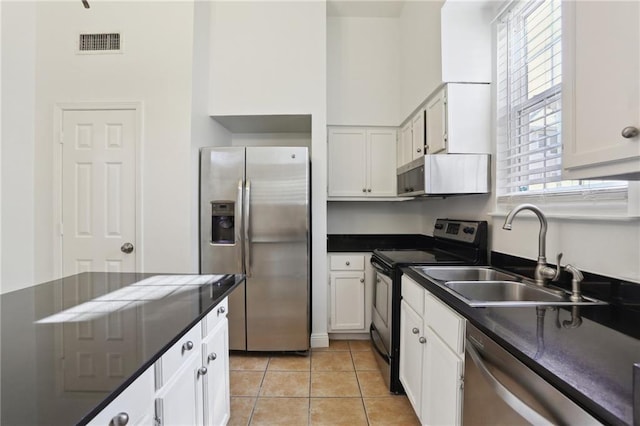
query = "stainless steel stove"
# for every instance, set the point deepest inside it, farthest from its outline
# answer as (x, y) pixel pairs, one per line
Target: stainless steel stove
(455, 242)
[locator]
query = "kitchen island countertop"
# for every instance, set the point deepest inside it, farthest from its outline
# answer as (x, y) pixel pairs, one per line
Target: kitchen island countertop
(46, 327)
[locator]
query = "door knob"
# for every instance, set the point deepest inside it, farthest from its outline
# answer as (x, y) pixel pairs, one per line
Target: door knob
(630, 132)
(126, 248)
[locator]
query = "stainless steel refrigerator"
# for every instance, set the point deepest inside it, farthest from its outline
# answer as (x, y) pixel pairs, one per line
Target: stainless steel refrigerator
(254, 219)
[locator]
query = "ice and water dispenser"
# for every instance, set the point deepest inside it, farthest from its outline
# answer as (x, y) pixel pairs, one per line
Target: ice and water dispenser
(223, 222)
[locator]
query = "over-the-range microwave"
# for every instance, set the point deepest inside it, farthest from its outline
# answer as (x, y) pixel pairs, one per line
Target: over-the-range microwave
(445, 174)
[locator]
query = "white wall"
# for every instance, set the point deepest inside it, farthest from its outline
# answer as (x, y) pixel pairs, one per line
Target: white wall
(269, 57)
(605, 247)
(420, 63)
(375, 217)
(18, 144)
(155, 68)
(205, 131)
(363, 71)
(271, 139)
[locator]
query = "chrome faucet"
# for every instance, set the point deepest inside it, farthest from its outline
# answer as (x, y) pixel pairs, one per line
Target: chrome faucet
(542, 272)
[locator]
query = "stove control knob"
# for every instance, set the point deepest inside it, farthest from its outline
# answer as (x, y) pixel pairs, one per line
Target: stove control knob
(469, 230)
(439, 226)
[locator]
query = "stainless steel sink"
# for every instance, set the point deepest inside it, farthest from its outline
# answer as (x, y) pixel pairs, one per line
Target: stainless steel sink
(485, 286)
(466, 273)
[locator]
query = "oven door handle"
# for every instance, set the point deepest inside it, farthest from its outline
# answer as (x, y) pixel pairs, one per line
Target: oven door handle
(378, 267)
(384, 356)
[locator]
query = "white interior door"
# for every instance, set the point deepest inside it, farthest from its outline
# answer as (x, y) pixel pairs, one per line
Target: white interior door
(98, 190)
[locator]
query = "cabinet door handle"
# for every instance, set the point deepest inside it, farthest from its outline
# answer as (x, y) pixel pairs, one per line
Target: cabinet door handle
(369, 190)
(202, 371)
(120, 419)
(347, 263)
(418, 150)
(361, 280)
(630, 132)
(415, 330)
(221, 310)
(364, 189)
(422, 340)
(212, 357)
(187, 346)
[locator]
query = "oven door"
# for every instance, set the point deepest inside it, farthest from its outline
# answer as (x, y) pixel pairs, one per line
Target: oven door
(381, 313)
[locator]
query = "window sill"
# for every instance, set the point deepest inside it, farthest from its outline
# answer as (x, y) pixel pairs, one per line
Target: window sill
(621, 204)
(589, 217)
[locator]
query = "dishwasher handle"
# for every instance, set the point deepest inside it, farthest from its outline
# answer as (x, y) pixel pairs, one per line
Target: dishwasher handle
(524, 410)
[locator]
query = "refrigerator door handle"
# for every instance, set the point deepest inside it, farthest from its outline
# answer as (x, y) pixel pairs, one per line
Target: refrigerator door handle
(247, 222)
(239, 232)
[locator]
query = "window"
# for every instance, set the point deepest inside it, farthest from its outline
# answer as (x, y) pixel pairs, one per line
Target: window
(529, 128)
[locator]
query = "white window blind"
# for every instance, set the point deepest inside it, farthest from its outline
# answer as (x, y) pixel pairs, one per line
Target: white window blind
(529, 97)
(529, 127)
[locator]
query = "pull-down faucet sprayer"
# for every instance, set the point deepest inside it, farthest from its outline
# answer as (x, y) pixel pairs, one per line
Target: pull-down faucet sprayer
(542, 272)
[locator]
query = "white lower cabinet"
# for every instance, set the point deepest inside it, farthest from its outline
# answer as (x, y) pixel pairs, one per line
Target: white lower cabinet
(411, 355)
(215, 350)
(442, 393)
(188, 385)
(350, 292)
(431, 356)
(134, 406)
(179, 401)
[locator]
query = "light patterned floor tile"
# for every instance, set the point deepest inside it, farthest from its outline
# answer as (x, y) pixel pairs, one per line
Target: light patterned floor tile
(364, 360)
(290, 363)
(281, 411)
(331, 361)
(286, 383)
(245, 383)
(241, 409)
(334, 345)
(337, 412)
(360, 345)
(372, 383)
(395, 410)
(248, 362)
(334, 384)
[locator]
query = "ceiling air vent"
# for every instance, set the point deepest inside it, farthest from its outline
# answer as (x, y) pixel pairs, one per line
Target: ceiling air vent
(109, 42)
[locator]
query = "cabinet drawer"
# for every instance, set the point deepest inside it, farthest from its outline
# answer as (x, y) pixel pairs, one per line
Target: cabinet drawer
(173, 359)
(215, 317)
(413, 294)
(445, 323)
(347, 262)
(136, 402)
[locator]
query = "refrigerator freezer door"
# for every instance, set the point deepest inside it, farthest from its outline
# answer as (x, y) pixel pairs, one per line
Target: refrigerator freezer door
(221, 186)
(277, 291)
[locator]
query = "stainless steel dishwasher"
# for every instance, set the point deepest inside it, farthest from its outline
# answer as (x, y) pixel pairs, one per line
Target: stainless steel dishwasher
(500, 390)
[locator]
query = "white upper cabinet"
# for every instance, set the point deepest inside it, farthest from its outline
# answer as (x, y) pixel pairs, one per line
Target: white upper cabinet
(405, 144)
(411, 144)
(362, 162)
(418, 136)
(466, 41)
(436, 117)
(459, 119)
(601, 89)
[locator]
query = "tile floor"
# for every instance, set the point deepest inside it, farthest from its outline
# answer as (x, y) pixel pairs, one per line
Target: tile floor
(338, 385)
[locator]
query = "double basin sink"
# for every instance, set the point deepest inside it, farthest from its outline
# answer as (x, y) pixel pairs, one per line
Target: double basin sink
(479, 286)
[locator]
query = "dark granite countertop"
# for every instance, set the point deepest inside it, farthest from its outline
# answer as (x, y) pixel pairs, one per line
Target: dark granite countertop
(368, 242)
(591, 363)
(45, 327)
